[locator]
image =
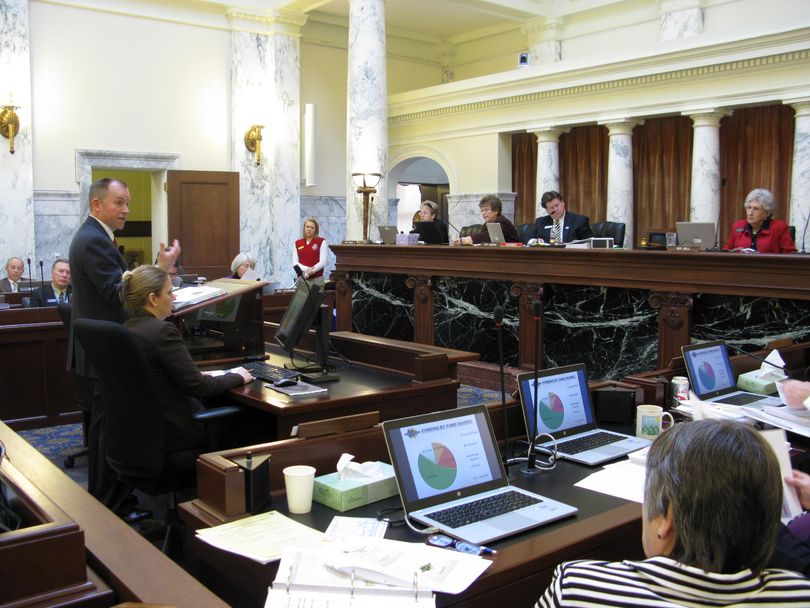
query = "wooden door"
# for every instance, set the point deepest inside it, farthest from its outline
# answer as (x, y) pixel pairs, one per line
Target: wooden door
(204, 217)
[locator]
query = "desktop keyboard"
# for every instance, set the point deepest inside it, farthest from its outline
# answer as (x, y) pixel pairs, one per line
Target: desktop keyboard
(589, 442)
(269, 372)
(482, 509)
(739, 399)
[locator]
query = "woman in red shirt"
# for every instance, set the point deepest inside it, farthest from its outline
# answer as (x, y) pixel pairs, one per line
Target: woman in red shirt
(759, 231)
(311, 251)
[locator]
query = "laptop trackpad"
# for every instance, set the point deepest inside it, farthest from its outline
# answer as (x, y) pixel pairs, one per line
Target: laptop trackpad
(511, 521)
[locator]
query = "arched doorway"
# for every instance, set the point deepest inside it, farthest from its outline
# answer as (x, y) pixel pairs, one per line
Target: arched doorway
(414, 180)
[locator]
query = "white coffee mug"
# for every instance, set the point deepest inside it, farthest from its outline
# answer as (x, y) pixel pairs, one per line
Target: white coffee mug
(649, 421)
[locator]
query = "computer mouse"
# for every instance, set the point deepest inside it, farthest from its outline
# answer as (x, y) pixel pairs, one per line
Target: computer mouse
(285, 382)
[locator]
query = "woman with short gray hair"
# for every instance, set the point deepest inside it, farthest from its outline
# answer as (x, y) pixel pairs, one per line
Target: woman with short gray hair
(712, 506)
(759, 231)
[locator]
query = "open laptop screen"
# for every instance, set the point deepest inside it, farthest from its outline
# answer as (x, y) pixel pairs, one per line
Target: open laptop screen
(564, 402)
(443, 456)
(709, 369)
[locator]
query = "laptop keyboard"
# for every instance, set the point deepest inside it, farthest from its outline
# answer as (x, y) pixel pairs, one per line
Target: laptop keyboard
(739, 399)
(589, 442)
(482, 509)
(269, 372)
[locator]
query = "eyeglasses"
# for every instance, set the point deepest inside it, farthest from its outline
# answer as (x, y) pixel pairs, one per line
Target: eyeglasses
(441, 540)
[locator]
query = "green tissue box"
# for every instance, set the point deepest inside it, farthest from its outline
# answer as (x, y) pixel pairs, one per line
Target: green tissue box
(766, 385)
(345, 494)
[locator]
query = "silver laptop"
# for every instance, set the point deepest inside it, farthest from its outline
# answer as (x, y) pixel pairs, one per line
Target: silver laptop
(701, 234)
(566, 413)
(495, 232)
(711, 378)
(388, 234)
(448, 467)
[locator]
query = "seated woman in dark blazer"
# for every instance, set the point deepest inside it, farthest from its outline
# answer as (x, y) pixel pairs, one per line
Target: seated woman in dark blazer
(429, 212)
(147, 294)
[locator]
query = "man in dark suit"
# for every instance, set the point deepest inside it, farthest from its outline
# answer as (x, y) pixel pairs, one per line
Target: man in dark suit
(59, 289)
(97, 268)
(14, 270)
(559, 225)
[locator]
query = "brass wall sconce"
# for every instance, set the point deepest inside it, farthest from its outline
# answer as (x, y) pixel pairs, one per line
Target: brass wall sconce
(9, 125)
(253, 141)
(366, 185)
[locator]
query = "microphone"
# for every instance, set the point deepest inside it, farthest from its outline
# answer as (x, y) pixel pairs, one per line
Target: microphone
(758, 358)
(531, 462)
(498, 316)
(804, 232)
(41, 275)
(30, 282)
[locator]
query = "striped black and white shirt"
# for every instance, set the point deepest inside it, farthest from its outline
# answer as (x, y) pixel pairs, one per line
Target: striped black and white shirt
(660, 582)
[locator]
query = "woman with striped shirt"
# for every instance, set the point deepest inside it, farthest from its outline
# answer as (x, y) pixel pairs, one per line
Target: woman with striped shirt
(712, 502)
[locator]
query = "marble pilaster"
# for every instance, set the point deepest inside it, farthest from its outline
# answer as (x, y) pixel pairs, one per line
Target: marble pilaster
(620, 176)
(800, 177)
(57, 217)
(265, 90)
(704, 200)
(367, 109)
(16, 170)
(681, 22)
(543, 38)
(463, 210)
(448, 63)
(548, 163)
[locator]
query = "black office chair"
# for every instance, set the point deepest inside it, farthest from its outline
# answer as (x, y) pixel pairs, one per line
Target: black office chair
(83, 388)
(470, 230)
(656, 237)
(614, 230)
(134, 426)
(522, 229)
(792, 231)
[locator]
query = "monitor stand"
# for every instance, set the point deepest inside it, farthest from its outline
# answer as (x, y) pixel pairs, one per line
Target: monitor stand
(321, 372)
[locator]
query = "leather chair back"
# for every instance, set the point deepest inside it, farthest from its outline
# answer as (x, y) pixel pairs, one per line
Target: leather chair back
(133, 427)
(610, 229)
(470, 230)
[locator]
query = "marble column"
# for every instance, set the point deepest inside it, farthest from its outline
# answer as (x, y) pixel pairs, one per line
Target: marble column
(704, 200)
(265, 90)
(448, 62)
(620, 176)
(367, 109)
(548, 163)
(17, 238)
(463, 209)
(800, 179)
(679, 21)
(543, 38)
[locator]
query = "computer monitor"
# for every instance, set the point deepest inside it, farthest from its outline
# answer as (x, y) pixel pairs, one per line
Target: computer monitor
(701, 234)
(429, 233)
(306, 309)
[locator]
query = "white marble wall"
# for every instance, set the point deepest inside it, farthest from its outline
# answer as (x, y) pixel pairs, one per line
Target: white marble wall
(704, 202)
(682, 24)
(620, 177)
(463, 209)
(548, 164)
(17, 237)
(265, 89)
(330, 211)
(367, 109)
(800, 180)
(58, 216)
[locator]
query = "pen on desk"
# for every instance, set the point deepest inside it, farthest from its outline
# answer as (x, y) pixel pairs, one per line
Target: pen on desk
(249, 461)
(487, 550)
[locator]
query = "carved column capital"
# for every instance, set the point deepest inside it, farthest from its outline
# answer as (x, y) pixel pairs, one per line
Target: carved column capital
(342, 281)
(423, 288)
(424, 329)
(671, 305)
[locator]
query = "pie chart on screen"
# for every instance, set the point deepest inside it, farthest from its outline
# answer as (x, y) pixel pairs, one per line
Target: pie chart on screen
(706, 375)
(437, 466)
(552, 411)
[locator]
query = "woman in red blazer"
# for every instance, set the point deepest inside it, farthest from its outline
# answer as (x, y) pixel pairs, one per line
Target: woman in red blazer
(759, 231)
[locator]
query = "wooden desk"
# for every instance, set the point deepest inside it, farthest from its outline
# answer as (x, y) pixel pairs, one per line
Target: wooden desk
(604, 528)
(125, 562)
(660, 286)
(396, 379)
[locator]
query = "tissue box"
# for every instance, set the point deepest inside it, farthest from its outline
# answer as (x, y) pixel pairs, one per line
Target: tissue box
(751, 383)
(345, 494)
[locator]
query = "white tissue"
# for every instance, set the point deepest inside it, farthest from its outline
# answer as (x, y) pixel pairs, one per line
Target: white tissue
(347, 469)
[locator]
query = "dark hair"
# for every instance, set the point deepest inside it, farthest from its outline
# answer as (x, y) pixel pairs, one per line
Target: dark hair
(59, 261)
(99, 188)
(722, 482)
(491, 201)
(550, 196)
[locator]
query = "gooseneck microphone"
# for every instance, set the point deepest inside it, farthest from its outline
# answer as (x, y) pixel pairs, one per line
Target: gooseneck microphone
(804, 232)
(758, 358)
(30, 282)
(498, 316)
(41, 275)
(531, 462)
